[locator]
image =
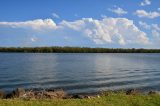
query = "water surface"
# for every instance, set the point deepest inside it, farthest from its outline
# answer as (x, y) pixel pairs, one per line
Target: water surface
(80, 72)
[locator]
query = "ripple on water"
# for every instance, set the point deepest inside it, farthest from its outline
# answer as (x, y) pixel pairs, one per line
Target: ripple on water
(80, 72)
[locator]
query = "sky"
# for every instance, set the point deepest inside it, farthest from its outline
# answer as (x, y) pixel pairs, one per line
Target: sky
(80, 23)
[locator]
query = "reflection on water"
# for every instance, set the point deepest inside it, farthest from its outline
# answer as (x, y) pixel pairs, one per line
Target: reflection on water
(77, 73)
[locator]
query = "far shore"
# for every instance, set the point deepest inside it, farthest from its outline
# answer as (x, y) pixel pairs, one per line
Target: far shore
(58, 49)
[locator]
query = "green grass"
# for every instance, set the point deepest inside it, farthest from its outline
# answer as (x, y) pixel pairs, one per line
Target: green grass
(114, 99)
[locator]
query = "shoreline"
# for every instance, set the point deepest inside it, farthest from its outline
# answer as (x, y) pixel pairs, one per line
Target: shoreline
(57, 97)
(37, 94)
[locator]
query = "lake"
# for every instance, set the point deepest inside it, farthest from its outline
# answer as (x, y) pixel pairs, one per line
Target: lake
(80, 72)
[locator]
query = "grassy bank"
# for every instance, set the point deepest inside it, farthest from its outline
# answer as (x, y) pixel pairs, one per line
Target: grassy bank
(114, 99)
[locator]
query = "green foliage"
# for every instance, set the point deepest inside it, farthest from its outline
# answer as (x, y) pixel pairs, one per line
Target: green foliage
(57, 49)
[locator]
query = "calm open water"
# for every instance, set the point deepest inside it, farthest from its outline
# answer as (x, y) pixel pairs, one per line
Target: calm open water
(80, 72)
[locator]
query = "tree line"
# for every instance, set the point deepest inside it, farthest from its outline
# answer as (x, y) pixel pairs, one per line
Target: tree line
(56, 49)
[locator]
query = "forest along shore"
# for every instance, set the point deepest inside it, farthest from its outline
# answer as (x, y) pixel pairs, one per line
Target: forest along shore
(61, 94)
(57, 49)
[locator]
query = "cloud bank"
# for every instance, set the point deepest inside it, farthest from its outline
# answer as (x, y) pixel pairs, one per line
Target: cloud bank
(119, 31)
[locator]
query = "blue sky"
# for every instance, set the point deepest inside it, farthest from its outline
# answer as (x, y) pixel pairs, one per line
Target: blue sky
(91, 23)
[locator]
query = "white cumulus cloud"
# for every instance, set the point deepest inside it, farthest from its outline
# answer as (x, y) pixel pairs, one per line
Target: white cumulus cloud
(55, 15)
(153, 28)
(155, 33)
(156, 27)
(144, 25)
(147, 26)
(145, 2)
(120, 31)
(143, 13)
(33, 39)
(109, 30)
(37, 24)
(118, 11)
